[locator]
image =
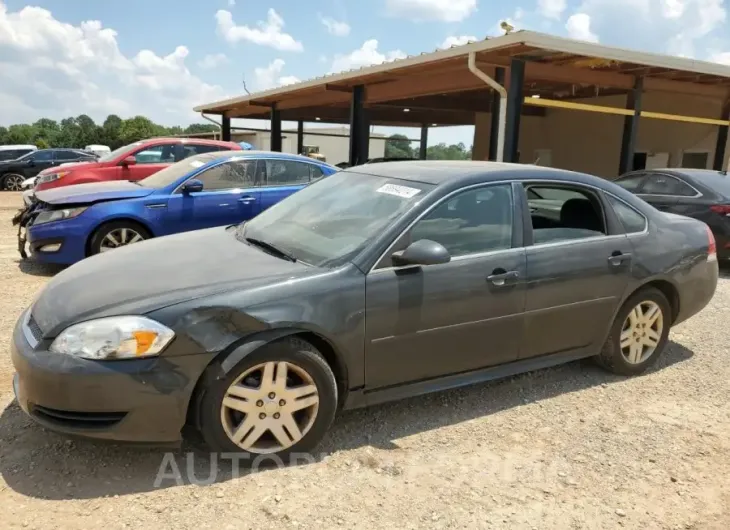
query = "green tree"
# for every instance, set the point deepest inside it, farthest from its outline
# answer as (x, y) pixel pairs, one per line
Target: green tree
(88, 131)
(45, 132)
(398, 145)
(137, 128)
(110, 131)
(41, 143)
(448, 152)
(20, 134)
(197, 128)
(69, 135)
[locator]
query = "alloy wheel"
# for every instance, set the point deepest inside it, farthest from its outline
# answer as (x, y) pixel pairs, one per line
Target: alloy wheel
(120, 237)
(270, 407)
(14, 183)
(641, 332)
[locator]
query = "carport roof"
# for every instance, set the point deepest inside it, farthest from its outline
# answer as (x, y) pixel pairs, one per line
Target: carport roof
(555, 68)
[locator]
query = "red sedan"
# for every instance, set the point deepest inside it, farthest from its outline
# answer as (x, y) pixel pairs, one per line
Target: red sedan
(131, 162)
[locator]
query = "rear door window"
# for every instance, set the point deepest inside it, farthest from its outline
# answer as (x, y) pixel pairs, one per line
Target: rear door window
(657, 184)
(287, 172)
(563, 213)
(632, 183)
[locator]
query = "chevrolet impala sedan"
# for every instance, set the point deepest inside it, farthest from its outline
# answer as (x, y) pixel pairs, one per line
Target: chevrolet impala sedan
(379, 282)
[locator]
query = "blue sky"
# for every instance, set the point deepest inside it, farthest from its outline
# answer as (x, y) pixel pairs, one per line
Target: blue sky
(161, 57)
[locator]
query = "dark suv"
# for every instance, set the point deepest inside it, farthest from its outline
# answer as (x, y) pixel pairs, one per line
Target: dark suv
(14, 172)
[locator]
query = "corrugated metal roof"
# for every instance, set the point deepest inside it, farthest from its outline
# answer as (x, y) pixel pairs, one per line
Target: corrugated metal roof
(540, 41)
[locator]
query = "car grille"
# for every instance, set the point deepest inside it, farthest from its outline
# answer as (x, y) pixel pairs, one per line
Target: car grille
(75, 419)
(34, 328)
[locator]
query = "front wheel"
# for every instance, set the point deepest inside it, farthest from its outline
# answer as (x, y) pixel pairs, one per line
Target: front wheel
(115, 235)
(13, 182)
(278, 401)
(639, 333)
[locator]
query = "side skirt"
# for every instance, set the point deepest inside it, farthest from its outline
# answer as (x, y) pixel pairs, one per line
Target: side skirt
(358, 398)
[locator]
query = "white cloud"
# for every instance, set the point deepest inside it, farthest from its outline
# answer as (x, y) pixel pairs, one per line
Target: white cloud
(457, 41)
(270, 76)
(441, 10)
(555, 8)
(55, 69)
(689, 28)
(213, 60)
(721, 57)
(367, 55)
(335, 27)
(266, 33)
(231, 3)
(579, 27)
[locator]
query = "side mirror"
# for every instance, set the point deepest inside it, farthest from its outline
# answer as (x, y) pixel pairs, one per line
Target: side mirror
(421, 252)
(192, 186)
(129, 161)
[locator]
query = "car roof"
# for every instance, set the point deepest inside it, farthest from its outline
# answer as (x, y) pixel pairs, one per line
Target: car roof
(19, 146)
(200, 141)
(441, 171)
(217, 155)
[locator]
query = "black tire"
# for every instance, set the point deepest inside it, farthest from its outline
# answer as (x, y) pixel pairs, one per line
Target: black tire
(100, 233)
(611, 358)
(292, 350)
(7, 178)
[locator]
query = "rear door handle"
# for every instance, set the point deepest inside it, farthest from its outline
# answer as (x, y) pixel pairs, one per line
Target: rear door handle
(247, 199)
(618, 259)
(499, 278)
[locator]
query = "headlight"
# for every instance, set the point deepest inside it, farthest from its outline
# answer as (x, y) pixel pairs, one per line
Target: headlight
(52, 176)
(47, 216)
(124, 337)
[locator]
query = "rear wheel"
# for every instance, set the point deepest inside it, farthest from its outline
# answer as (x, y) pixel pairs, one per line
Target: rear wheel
(117, 234)
(639, 333)
(13, 182)
(278, 401)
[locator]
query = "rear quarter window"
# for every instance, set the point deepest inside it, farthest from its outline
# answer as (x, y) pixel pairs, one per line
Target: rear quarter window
(630, 219)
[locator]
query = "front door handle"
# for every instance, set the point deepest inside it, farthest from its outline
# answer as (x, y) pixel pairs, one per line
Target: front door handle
(500, 276)
(247, 199)
(617, 258)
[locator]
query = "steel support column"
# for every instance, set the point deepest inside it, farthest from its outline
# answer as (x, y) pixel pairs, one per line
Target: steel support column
(226, 129)
(721, 144)
(631, 127)
(423, 146)
(494, 109)
(300, 137)
(275, 129)
(359, 127)
(515, 97)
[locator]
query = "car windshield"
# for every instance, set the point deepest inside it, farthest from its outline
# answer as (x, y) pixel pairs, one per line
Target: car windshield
(172, 173)
(327, 223)
(118, 152)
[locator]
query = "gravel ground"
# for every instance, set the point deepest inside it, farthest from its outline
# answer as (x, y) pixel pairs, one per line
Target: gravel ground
(570, 447)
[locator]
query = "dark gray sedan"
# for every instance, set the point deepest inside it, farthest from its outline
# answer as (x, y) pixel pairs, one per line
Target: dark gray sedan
(380, 282)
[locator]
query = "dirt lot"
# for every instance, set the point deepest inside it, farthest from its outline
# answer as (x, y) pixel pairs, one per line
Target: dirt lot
(570, 447)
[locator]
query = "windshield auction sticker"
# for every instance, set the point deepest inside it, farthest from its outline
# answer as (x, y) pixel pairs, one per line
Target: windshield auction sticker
(399, 191)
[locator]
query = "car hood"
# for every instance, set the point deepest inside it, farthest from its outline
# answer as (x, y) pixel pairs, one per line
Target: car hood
(93, 192)
(71, 167)
(157, 273)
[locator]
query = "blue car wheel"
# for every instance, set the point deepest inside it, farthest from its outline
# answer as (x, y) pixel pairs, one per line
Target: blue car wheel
(117, 234)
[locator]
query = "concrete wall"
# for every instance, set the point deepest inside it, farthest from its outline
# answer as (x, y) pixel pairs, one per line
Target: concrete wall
(335, 148)
(591, 142)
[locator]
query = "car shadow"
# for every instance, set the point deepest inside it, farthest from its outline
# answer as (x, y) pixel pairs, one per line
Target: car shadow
(34, 268)
(41, 464)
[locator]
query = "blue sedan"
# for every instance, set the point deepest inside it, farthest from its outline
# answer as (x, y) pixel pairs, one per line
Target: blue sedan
(67, 224)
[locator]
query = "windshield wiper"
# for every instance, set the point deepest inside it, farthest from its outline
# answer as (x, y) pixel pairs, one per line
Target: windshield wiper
(271, 248)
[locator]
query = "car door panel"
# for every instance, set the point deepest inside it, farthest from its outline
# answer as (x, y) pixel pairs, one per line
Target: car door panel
(431, 321)
(573, 291)
(443, 319)
(207, 209)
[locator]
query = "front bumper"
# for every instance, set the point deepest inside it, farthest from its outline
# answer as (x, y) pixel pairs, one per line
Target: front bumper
(140, 400)
(71, 234)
